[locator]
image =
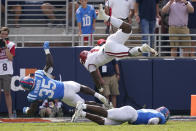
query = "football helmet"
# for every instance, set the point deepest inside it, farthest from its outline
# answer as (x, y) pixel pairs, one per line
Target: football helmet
(100, 42)
(27, 83)
(83, 56)
(164, 111)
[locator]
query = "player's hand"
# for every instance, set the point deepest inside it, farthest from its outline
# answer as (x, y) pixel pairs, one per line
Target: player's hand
(46, 45)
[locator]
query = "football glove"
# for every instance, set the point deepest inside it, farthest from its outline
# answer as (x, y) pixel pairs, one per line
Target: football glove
(25, 110)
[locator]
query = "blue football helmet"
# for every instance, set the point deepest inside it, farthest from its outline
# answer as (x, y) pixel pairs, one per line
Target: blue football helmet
(164, 111)
(27, 83)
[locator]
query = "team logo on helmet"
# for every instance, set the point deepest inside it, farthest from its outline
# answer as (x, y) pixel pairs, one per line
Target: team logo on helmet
(27, 82)
(83, 56)
(164, 111)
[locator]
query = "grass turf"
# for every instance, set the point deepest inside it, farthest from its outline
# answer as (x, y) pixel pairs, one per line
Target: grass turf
(89, 126)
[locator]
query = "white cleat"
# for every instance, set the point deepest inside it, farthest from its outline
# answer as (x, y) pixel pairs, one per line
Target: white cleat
(101, 14)
(108, 106)
(147, 48)
(77, 111)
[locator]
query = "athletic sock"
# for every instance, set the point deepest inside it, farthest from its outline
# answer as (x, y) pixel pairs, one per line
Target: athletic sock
(84, 106)
(115, 22)
(134, 51)
(83, 114)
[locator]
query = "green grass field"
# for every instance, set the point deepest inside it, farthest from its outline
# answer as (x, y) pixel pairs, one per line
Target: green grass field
(89, 126)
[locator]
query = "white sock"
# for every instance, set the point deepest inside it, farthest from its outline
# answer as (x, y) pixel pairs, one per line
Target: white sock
(97, 95)
(47, 51)
(134, 51)
(83, 114)
(116, 22)
(84, 106)
(101, 97)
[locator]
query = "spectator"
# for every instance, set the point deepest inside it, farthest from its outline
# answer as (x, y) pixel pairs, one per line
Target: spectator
(146, 12)
(122, 9)
(178, 11)
(86, 17)
(50, 8)
(15, 9)
(109, 75)
(7, 52)
(192, 26)
(164, 29)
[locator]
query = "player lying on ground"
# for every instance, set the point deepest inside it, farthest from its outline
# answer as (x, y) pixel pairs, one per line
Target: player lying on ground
(117, 116)
(42, 86)
(113, 48)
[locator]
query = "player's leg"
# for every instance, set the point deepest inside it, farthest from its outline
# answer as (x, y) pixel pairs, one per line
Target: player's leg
(99, 120)
(126, 28)
(97, 110)
(123, 114)
(89, 91)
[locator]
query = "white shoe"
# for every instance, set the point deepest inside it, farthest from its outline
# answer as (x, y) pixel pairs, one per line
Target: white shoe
(147, 48)
(101, 14)
(77, 111)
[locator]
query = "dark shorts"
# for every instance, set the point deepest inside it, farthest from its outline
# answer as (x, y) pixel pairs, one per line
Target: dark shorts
(5, 82)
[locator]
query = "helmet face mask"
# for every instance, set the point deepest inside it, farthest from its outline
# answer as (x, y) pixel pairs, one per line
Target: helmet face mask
(164, 111)
(27, 83)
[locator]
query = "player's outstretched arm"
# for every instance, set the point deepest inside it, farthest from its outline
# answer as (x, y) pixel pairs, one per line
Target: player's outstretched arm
(49, 60)
(96, 80)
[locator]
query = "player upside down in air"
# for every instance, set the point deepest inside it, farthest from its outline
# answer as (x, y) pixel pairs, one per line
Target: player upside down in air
(42, 87)
(113, 48)
(117, 116)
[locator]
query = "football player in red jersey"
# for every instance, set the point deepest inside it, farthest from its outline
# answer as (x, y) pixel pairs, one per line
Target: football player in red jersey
(113, 48)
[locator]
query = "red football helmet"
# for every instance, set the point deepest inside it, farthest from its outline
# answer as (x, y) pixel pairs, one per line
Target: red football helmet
(100, 42)
(83, 56)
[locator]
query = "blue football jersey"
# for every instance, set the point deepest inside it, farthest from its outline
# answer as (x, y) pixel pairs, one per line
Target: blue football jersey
(85, 16)
(144, 115)
(45, 88)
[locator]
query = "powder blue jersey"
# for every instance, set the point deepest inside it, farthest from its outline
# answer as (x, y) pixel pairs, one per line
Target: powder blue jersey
(85, 16)
(144, 115)
(45, 88)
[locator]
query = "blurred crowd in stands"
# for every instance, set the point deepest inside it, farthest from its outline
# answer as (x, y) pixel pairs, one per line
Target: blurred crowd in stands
(148, 14)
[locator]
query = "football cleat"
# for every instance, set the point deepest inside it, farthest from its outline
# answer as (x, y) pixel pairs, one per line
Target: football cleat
(77, 111)
(108, 106)
(147, 48)
(101, 14)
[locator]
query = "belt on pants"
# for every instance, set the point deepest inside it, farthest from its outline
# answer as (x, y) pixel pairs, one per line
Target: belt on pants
(183, 26)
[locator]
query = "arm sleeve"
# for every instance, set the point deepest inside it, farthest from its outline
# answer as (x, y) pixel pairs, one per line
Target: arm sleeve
(78, 17)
